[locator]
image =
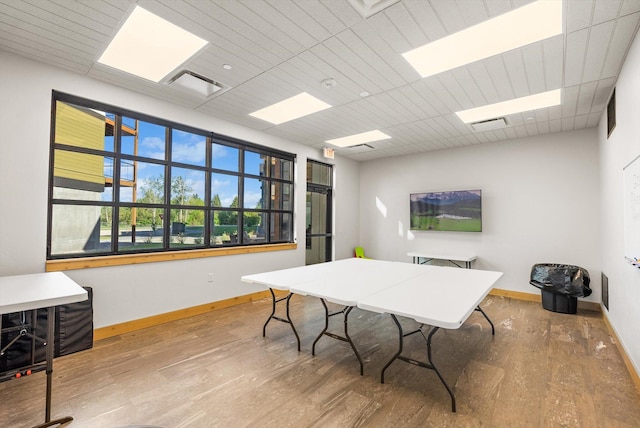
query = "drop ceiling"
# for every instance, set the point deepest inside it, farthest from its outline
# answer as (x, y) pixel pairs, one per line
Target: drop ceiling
(279, 48)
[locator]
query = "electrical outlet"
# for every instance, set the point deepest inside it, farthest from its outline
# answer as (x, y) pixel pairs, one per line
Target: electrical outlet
(210, 277)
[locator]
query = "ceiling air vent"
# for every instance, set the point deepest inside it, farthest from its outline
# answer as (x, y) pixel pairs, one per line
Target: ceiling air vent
(489, 124)
(368, 8)
(196, 84)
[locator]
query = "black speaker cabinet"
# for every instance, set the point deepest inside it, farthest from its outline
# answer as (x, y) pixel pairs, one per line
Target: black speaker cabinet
(73, 333)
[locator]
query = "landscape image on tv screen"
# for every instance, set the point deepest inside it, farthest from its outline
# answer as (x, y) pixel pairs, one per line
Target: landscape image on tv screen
(458, 211)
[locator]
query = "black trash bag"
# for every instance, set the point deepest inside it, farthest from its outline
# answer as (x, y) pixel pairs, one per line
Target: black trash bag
(572, 281)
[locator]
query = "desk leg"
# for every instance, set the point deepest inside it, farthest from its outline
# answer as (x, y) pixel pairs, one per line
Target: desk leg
(430, 365)
(346, 338)
(273, 316)
(51, 321)
(493, 330)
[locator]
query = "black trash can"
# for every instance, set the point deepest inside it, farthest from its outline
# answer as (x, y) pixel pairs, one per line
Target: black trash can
(561, 285)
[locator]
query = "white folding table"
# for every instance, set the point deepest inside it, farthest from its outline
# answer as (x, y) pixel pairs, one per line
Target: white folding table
(442, 297)
(35, 291)
(451, 258)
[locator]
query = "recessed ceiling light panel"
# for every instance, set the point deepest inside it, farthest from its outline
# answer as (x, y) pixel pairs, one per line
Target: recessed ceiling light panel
(516, 105)
(295, 107)
(359, 139)
(149, 46)
(528, 24)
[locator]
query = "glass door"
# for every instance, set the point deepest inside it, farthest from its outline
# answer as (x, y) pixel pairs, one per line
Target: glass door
(318, 213)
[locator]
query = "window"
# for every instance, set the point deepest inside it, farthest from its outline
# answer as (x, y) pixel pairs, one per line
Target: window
(124, 183)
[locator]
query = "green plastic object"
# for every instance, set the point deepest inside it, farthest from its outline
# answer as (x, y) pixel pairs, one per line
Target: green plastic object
(360, 253)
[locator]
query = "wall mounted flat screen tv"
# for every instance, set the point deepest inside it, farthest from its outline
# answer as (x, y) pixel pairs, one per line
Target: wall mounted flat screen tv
(458, 211)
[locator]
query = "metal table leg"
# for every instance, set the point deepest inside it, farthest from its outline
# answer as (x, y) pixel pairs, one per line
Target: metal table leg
(429, 365)
(49, 356)
(286, 320)
(346, 338)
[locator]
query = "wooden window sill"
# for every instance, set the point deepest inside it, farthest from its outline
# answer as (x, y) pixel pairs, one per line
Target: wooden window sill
(165, 256)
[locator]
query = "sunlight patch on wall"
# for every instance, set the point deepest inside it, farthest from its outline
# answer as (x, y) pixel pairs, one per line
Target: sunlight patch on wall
(381, 207)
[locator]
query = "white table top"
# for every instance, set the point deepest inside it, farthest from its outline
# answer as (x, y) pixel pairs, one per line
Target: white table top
(39, 290)
(434, 295)
(283, 279)
(347, 283)
(442, 256)
(440, 297)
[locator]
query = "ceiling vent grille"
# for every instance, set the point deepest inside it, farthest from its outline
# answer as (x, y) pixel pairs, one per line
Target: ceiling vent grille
(489, 125)
(361, 146)
(195, 84)
(367, 8)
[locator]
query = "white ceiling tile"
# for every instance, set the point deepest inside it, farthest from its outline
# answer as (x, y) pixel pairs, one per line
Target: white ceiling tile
(449, 14)
(426, 18)
(279, 25)
(585, 97)
(603, 91)
(517, 75)
(605, 10)
(597, 50)
(625, 28)
(496, 69)
(555, 125)
(296, 13)
(543, 128)
(579, 13)
(553, 57)
(532, 56)
(574, 57)
(473, 11)
(570, 101)
(629, 6)
(593, 119)
(482, 79)
(455, 90)
(580, 121)
(498, 7)
(567, 123)
(406, 24)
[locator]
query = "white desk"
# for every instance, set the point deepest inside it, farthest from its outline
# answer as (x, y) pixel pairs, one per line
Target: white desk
(451, 258)
(442, 297)
(41, 290)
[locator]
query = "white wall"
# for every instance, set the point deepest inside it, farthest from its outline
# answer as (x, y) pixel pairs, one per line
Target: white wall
(615, 153)
(540, 204)
(131, 292)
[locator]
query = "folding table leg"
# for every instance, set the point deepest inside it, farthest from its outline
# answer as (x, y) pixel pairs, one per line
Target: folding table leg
(430, 365)
(493, 330)
(275, 300)
(346, 338)
(49, 357)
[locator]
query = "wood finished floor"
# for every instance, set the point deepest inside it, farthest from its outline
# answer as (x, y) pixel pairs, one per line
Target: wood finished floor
(541, 369)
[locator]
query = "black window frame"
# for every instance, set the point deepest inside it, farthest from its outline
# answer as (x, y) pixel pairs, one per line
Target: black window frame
(167, 163)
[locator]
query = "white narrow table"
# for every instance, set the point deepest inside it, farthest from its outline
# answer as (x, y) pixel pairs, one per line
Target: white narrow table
(35, 291)
(451, 258)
